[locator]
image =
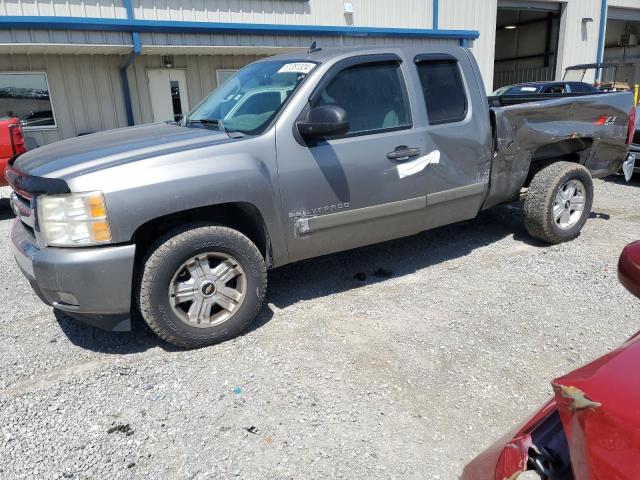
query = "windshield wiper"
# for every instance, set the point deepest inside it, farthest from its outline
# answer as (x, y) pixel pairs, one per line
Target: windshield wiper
(216, 122)
(208, 121)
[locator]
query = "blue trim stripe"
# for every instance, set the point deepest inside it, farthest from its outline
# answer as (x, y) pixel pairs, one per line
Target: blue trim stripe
(126, 92)
(603, 25)
(436, 14)
(124, 78)
(132, 25)
(135, 36)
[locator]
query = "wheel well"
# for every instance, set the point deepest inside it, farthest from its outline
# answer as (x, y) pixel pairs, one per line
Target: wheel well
(574, 150)
(241, 216)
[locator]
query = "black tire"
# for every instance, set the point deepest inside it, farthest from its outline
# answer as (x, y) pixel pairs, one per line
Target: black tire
(539, 202)
(163, 260)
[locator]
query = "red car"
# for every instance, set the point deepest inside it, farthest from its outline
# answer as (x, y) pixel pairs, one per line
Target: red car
(11, 143)
(590, 429)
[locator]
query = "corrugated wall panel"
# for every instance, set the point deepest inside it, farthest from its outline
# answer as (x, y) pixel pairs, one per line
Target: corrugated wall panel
(296, 41)
(398, 13)
(85, 91)
(474, 15)
(578, 41)
(379, 13)
(64, 37)
(64, 8)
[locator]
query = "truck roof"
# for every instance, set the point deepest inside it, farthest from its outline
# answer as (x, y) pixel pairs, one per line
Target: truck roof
(322, 54)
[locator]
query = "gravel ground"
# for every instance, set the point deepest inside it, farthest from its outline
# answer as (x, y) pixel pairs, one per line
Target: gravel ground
(442, 343)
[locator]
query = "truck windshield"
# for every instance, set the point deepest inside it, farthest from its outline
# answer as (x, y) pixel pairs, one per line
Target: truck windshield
(249, 100)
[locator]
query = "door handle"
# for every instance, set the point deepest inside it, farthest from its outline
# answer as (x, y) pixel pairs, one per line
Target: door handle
(403, 153)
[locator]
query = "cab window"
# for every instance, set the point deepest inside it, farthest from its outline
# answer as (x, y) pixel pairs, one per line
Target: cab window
(373, 95)
(443, 90)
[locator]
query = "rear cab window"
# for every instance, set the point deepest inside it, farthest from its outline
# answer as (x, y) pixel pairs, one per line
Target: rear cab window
(443, 89)
(373, 94)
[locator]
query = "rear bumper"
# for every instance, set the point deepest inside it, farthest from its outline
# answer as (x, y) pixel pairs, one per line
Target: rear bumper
(91, 284)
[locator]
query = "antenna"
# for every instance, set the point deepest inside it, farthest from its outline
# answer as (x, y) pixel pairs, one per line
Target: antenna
(313, 48)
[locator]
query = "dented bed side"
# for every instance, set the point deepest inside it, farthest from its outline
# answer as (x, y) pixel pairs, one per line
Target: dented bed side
(591, 130)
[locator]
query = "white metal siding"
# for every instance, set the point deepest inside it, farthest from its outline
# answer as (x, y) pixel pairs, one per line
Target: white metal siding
(372, 13)
(288, 41)
(64, 37)
(379, 13)
(64, 8)
(578, 41)
(474, 15)
(85, 91)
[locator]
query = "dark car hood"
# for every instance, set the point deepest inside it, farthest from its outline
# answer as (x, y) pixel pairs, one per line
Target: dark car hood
(80, 155)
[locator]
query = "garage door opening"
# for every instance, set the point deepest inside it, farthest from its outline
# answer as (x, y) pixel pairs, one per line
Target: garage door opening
(526, 42)
(622, 46)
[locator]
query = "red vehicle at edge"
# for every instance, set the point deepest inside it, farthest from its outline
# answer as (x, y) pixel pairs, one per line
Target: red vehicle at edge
(590, 429)
(11, 143)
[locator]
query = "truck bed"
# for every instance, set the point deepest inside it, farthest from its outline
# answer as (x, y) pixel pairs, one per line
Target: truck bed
(589, 129)
(506, 100)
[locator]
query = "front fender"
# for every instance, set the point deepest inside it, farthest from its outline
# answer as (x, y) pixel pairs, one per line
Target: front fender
(141, 191)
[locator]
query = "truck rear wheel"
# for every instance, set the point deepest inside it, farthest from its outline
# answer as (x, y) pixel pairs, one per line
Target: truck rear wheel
(558, 202)
(201, 284)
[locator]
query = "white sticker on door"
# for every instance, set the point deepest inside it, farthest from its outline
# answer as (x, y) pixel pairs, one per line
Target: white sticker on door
(298, 67)
(419, 164)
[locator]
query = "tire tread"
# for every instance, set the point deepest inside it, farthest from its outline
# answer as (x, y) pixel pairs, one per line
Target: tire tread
(161, 249)
(539, 199)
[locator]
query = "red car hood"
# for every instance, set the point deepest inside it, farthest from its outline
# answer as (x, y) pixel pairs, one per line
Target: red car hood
(599, 405)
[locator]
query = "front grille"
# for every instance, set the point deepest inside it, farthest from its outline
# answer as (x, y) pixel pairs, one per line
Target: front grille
(24, 200)
(22, 207)
(30, 231)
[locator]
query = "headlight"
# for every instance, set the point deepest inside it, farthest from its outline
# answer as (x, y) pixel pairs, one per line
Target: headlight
(73, 219)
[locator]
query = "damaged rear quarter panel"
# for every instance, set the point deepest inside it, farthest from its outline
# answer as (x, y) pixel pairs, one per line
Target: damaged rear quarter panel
(550, 129)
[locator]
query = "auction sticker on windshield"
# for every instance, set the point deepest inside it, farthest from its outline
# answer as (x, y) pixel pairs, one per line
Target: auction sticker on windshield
(299, 67)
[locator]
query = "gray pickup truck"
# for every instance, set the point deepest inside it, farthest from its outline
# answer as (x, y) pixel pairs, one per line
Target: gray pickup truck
(296, 156)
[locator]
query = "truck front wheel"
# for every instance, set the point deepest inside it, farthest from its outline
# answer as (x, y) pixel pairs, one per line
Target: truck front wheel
(558, 202)
(201, 284)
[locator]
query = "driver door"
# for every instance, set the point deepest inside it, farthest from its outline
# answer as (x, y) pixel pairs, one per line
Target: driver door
(355, 189)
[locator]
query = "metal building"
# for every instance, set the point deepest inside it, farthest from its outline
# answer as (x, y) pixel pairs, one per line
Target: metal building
(73, 67)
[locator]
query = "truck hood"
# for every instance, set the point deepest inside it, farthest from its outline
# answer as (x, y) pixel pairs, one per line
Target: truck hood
(599, 405)
(76, 156)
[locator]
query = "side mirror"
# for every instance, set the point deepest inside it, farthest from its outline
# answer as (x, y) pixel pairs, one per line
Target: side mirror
(324, 121)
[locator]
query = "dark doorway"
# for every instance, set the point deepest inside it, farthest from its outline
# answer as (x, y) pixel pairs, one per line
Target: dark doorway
(526, 42)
